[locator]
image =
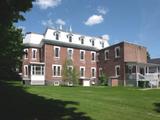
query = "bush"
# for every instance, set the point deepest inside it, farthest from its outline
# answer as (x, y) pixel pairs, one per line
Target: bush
(143, 84)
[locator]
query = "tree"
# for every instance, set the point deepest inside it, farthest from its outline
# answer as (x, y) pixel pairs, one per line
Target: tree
(148, 56)
(69, 73)
(103, 79)
(11, 38)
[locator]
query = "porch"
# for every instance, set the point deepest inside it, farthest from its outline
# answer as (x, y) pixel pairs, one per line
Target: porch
(146, 72)
(36, 74)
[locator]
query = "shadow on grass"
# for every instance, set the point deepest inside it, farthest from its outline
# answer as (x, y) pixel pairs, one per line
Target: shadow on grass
(17, 104)
(157, 107)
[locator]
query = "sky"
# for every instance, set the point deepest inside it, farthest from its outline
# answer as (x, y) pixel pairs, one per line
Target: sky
(135, 21)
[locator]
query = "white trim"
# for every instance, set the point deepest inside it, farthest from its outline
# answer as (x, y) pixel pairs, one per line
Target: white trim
(34, 49)
(94, 56)
(57, 65)
(117, 66)
(82, 67)
(106, 51)
(56, 83)
(26, 51)
(59, 51)
(68, 52)
(115, 51)
(83, 55)
(26, 66)
(94, 72)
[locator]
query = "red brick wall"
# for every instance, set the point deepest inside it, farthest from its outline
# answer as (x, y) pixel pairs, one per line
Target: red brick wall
(135, 53)
(49, 60)
(128, 53)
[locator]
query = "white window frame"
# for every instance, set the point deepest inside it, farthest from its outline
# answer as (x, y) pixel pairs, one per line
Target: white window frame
(94, 56)
(56, 83)
(106, 51)
(93, 68)
(93, 42)
(117, 66)
(82, 41)
(56, 70)
(68, 52)
(82, 67)
(56, 34)
(83, 55)
(26, 75)
(115, 51)
(33, 68)
(70, 38)
(58, 52)
(26, 51)
(33, 49)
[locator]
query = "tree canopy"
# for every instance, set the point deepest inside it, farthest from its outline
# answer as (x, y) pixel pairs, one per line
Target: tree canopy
(11, 47)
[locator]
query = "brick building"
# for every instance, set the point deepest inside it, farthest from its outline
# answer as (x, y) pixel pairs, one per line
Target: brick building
(46, 54)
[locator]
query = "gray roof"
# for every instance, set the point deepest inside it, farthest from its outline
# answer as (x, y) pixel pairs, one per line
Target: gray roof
(63, 44)
(155, 60)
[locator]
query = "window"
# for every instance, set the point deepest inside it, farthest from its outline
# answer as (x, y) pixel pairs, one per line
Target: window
(57, 36)
(82, 41)
(93, 54)
(117, 70)
(82, 71)
(56, 70)
(56, 83)
(106, 52)
(70, 53)
(70, 68)
(117, 52)
(70, 38)
(34, 52)
(82, 54)
(37, 69)
(92, 42)
(102, 44)
(57, 52)
(93, 72)
(25, 53)
(25, 70)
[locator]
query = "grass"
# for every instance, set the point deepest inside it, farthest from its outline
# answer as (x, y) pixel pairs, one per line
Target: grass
(84, 103)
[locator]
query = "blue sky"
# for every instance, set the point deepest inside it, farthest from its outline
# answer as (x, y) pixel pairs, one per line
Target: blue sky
(136, 21)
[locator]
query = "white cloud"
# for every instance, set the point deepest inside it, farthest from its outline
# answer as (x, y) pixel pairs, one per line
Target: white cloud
(44, 4)
(106, 37)
(48, 23)
(60, 22)
(102, 10)
(94, 19)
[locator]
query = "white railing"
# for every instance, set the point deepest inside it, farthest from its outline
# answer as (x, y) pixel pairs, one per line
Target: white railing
(153, 78)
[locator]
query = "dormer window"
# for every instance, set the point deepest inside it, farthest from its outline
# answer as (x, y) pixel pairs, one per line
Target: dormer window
(102, 44)
(81, 39)
(92, 42)
(70, 38)
(56, 34)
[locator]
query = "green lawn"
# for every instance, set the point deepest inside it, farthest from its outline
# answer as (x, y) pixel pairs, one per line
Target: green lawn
(77, 103)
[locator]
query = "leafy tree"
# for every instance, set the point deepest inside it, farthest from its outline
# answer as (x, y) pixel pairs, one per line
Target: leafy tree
(103, 79)
(69, 72)
(148, 56)
(11, 38)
